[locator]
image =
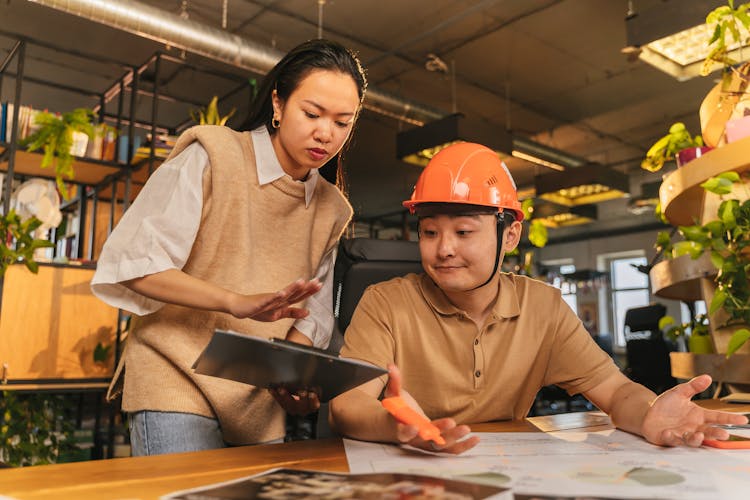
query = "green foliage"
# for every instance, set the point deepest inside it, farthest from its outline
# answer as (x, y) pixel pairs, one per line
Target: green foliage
(538, 235)
(696, 326)
(33, 428)
(210, 114)
(727, 22)
(664, 244)
(667, 147)
(727, 240)
(55, 138)
(22, 232)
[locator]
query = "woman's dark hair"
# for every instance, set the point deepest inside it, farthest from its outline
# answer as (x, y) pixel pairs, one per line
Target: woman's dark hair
(295, 66)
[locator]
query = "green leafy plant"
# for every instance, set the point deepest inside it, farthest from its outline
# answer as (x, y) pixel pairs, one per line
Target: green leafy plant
(727, 239)
(33, 429)
(55, 138)
(538, 235)
(22, 234)
(728, 23)
(210, 114)
(694, 331)
(667, 147)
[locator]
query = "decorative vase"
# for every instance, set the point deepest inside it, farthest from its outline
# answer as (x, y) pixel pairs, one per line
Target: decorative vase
(689, 154)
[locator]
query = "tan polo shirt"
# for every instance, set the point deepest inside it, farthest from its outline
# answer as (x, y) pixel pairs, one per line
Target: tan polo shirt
(531, 339)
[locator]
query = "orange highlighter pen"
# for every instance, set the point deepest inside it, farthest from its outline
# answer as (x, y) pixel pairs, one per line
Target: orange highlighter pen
(406, 415)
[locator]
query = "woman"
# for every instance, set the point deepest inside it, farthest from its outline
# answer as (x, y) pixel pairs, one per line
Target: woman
(228, 218)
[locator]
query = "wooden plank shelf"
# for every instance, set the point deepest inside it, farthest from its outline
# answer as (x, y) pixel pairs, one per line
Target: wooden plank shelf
(736, 369)
(682, 197)
(87, 170)
(680, 278)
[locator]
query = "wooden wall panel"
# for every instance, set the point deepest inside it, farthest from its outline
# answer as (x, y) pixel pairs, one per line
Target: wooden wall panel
(50, 324)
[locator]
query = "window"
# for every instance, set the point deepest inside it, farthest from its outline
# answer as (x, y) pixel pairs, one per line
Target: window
(555, 270)
(629, 288)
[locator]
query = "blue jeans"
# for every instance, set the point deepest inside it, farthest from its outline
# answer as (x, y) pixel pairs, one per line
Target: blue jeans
(157, 432)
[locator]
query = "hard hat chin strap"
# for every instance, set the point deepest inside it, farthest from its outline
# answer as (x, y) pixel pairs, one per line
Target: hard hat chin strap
(500, 227)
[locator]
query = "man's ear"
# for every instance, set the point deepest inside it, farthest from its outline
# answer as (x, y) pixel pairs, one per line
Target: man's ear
(512, 235)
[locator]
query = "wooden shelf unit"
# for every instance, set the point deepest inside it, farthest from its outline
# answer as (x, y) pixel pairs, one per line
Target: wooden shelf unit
(684, 203)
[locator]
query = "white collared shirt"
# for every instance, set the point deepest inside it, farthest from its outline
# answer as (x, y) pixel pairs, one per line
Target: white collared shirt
(158, 231)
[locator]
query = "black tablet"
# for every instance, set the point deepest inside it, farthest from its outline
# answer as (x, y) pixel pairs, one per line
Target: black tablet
(279, 363)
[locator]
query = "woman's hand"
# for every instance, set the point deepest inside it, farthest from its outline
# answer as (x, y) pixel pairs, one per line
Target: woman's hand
(299, 403)
(276, 305)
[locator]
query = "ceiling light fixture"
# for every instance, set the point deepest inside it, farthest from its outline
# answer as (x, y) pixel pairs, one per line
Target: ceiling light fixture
(673, 36)
(419, 144)
(591, 183)
(553, 215)
(647, 201)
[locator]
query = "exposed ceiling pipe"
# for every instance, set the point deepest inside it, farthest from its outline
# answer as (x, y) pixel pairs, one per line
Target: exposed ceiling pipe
(171, 29)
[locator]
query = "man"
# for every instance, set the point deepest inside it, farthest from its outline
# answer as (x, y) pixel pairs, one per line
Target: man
(471, 344)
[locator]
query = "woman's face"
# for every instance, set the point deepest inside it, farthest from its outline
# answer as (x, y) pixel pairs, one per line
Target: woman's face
(316, 120)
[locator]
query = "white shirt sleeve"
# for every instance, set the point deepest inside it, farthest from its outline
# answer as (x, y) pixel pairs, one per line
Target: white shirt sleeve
(318, 325)
(156, 233)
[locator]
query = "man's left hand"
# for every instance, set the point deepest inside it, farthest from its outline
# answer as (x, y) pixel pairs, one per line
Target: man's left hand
(674, 420)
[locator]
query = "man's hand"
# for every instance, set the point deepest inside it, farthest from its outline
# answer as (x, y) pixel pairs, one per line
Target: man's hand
(276, 305)
(408, 434)
(674, 420)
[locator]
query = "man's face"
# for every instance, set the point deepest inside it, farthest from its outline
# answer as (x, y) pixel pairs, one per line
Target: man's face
(458, 252)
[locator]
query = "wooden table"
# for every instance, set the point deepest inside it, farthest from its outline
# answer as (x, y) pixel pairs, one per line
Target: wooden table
(151, 477)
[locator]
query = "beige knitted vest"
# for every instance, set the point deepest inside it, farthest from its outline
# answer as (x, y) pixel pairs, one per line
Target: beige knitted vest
(251, 239)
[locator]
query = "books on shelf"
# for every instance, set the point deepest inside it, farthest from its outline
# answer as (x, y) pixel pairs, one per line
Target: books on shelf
(26, 121)
(291, 483)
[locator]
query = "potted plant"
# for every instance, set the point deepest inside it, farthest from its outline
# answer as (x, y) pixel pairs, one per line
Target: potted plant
(728, 22)
(210, 114)
(55, 136)
(727, 240)
(30, 430)
(695, 331)
(678, 144)
(723, 112)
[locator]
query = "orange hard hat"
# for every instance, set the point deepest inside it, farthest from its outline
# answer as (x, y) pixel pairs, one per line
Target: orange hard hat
(470, 174)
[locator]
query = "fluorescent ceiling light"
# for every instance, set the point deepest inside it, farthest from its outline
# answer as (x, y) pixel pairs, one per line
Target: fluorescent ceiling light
(539, 161)
(673, 36)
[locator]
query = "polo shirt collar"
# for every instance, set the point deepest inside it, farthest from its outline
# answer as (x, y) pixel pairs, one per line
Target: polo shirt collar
(507, 305)
(269, 168)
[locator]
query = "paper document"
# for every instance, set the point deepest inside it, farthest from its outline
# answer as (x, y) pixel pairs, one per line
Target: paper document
(605, 464)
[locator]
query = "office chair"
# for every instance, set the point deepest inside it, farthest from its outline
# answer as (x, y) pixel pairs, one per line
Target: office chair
(646, 351)
(360, 262)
